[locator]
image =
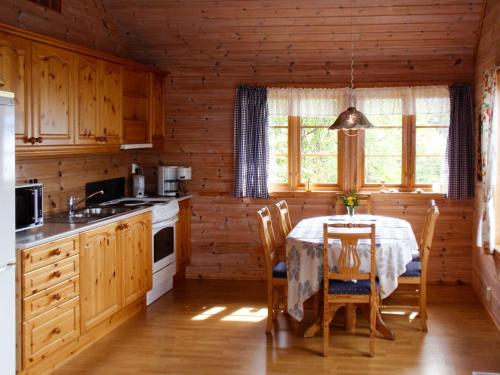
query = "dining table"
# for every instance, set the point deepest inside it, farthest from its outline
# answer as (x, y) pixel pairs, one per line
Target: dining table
(395, 246)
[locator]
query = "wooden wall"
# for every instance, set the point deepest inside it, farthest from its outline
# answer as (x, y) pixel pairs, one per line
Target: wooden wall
(66, 176)
(83, 22)
(486, 268)
(224, 233)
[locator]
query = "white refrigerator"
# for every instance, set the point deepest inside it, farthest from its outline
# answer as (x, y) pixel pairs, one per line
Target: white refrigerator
(7, 235)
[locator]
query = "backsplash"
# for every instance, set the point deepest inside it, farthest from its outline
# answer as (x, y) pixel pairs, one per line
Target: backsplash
(68, 175)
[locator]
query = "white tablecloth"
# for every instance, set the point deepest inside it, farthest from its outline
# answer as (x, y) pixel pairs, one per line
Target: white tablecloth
(395, 244)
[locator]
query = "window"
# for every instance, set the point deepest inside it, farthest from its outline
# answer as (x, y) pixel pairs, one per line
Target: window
(318, 151)
(405, 150)
(278, 147)
(431, 135)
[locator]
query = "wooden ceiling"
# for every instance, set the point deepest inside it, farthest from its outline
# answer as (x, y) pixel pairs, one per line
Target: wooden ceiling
(170, 33)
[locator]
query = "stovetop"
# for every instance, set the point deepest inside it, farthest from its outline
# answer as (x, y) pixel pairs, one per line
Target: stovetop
(164, 208)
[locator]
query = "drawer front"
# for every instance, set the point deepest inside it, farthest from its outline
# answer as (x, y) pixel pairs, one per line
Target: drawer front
(45, 277)
(51, 297)
(43, 255)
(49, 331)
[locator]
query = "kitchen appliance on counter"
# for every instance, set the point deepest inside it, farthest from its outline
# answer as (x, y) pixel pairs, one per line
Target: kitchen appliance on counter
(7, 234)
(171, 180)
(29, 206)
(138, 181)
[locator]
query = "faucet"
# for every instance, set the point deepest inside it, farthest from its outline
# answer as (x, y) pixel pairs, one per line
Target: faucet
(74, 201)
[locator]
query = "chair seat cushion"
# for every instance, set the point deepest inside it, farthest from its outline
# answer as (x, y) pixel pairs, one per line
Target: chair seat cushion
(414, 268)
(279, 270)
(350, 287)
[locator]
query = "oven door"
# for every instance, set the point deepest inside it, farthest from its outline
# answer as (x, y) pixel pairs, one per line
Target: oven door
(163, 244)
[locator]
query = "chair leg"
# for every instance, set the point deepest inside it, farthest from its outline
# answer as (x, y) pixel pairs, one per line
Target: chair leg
(373, 326)
(270, 307)
(423, 307)
(326, 327)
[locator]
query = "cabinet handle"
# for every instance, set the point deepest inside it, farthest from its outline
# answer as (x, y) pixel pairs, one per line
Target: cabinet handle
(30, 140)
(38, 140)
(55, 252)
(57, 296)
(56, 274)
(56, 331)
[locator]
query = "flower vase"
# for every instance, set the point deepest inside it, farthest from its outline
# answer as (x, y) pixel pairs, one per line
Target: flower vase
(351, 210)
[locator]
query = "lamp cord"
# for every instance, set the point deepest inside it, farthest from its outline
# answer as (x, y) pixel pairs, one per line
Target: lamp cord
(352, 60)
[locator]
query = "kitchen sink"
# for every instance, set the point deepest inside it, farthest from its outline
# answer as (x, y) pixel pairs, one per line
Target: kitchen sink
(87, 215)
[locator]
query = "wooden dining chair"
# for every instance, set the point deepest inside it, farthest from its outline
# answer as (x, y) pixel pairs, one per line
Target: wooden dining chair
(416, 270)
(284, 222)
(339, 287)
(275, 269)
(365, 205)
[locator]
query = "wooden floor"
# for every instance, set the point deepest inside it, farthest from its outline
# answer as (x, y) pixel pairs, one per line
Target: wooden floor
(165, 339)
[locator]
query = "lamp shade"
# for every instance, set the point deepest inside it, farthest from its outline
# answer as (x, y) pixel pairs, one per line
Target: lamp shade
(351, 119)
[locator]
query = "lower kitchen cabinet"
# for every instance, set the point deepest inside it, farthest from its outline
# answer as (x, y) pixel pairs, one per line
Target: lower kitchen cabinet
(135, 242)
(74, 290)
(100, 288)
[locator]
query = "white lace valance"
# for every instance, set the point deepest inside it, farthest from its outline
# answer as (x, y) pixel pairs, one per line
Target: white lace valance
(374, 101)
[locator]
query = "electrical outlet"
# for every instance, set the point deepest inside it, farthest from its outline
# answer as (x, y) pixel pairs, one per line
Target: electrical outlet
(488, 294)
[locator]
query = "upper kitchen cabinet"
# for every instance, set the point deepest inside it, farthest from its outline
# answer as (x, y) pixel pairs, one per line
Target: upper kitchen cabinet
(52, 96)
(136, 106)
(86, 105)
(157, 108)
(15, 55)
(110, 126)
(98, 104)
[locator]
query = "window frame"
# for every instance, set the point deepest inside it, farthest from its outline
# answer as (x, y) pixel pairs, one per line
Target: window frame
(294, 161)
(351, 161)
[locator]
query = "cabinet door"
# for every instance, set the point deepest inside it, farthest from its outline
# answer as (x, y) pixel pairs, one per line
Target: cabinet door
(183, 256)
(100, 284)
(158, 108)
(110, 103)
(15, 55)
(86, 109)
(135, 243)
(53, 87)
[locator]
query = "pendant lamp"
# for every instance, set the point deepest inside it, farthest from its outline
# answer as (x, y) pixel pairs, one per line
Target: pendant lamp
(351, 119)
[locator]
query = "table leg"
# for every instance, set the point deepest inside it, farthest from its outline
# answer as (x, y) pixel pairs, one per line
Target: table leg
(350, 317)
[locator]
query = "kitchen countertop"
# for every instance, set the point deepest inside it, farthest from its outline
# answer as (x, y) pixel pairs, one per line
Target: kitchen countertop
(55, 231)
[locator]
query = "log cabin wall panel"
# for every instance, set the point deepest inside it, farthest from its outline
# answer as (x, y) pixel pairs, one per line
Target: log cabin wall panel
(486, 268)
(209, 47)
(67, 176)
(83, 22)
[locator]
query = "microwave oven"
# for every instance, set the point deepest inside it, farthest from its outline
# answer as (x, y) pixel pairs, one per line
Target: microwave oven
(29, 206)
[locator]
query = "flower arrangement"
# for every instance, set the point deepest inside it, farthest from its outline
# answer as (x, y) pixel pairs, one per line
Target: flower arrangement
(350, 202)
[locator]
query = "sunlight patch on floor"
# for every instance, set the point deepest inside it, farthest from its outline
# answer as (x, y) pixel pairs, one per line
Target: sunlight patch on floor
(246, 314)
(208, 313)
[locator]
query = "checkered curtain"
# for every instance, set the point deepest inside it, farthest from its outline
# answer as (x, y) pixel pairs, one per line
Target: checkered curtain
(251, 142)
(460, 148)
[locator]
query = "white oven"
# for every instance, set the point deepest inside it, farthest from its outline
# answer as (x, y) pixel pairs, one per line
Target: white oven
(164, 244)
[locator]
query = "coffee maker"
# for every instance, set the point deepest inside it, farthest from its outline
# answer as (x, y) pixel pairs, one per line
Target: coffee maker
(171, 180)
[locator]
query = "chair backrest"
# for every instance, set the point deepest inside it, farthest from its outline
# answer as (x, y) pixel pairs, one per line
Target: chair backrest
(365, 206)
(349, 262)
(284, 221)
(267, 239)
(428, 233)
